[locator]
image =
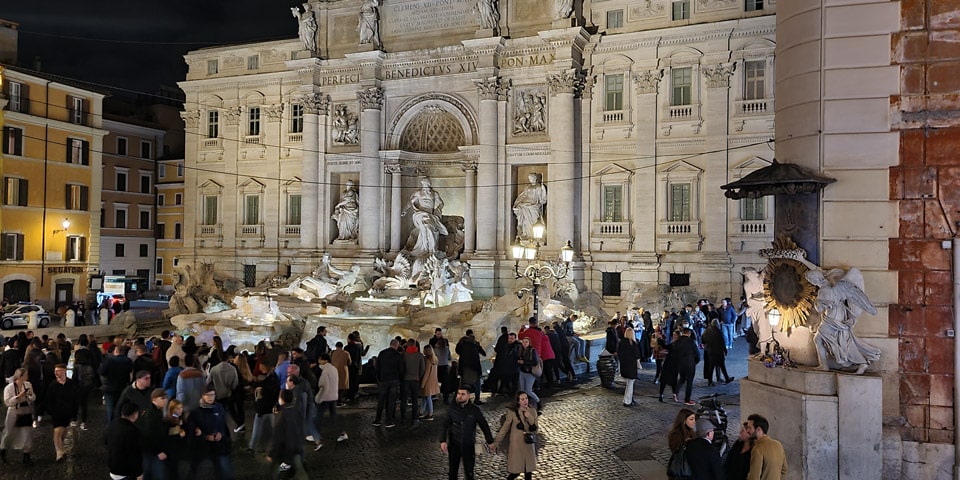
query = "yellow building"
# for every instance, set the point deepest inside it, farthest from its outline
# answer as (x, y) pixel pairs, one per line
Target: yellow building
(51, 181)
(169, 221)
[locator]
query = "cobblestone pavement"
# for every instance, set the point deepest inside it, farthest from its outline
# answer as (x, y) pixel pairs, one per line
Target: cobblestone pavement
(586, 434)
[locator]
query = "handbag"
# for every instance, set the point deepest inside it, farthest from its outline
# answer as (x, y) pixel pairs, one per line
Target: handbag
(678, 468)
(530, 437)
(23, 420)
(537, 370)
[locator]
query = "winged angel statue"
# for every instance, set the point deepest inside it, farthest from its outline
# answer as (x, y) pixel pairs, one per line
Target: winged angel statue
(840, 302)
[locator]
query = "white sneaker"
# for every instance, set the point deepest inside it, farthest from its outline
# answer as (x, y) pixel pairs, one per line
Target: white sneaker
(310, 438)
(239, 429)
(342, 437)
(73, 423)
(83, 426)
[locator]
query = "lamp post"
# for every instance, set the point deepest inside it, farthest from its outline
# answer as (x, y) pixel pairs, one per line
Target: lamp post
(773, 316)
(537, 270)
(65, 224)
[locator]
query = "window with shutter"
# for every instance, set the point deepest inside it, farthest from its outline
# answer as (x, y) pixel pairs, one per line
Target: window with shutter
(12, 141)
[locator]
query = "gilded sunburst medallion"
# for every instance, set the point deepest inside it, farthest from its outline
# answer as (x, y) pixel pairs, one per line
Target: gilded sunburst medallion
(785, 284)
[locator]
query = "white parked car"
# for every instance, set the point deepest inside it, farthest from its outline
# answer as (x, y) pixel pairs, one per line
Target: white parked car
(15, 315)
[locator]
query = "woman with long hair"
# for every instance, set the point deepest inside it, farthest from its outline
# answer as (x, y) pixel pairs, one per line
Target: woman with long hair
(682, 430)
(33, 360)
(239, 396)
(429, 384)
(520, 420)
(19, 398)
(629, 354)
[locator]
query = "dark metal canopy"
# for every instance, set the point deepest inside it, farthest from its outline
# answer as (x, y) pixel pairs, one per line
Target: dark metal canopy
(777, 179)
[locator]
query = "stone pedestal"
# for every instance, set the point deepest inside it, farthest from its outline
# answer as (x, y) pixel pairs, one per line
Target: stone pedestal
(827, 428)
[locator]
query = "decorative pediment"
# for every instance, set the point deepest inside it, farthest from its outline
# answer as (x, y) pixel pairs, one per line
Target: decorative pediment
(210, 187)
(613, 173)
(747, 166)
(251, 185)
(681, 170)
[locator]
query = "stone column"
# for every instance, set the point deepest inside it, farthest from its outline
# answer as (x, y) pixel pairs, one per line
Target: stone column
(490, 91)
(371, 101)
(309, 228)
(470, 209)
(562, 203)
(396, 239)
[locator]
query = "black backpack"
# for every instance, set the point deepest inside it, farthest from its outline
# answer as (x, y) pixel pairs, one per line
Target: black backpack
(86, 376)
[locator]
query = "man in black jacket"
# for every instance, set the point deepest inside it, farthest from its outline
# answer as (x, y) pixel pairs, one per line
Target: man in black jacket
(703, 458)
(265, 395)
(471, 371)
(211, 436)
(390, 369)
(155, 435)
(10, 359)
(460, 432)
(115, 375)
(317, 345)
(124, 451)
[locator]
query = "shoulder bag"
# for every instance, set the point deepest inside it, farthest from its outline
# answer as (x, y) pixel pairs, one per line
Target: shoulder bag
(678, 468)
(537, 370)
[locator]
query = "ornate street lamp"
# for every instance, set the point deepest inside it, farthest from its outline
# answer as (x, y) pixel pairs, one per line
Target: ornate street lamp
(537, 270)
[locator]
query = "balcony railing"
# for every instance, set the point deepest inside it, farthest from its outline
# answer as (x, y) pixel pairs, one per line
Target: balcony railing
(295, 137)
(613, 229)
(211, 143)
(753, 228)
(680, 112)
(760, 106)
(250, 230)
(680, 228)
(291, 230)
(252, 140)
(614, 116)
(210, 230)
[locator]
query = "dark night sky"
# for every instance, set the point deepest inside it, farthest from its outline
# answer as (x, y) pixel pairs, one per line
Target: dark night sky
(138, 44)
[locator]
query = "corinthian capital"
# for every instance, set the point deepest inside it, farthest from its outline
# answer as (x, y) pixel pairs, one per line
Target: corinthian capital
(231, 115)
(719, 76)
(488, 88)
(315, 103)
(191, 118)
(272, 112)
(567, 81)
(647, 82)
(370, 99)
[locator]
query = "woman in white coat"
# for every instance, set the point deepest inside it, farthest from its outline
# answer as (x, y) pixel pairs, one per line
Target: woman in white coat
(18, 396)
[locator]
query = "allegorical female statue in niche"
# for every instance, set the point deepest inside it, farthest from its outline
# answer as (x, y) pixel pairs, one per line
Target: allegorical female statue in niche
(487, 14)
(307, 27)
(347, 213)
(369, 23)
(427, 209)
(528, 207)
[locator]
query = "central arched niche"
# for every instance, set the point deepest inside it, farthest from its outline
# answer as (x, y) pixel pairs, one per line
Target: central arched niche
(433, 130)
(433, 123)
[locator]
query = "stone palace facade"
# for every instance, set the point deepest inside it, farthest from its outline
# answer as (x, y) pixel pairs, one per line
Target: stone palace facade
(633, 114)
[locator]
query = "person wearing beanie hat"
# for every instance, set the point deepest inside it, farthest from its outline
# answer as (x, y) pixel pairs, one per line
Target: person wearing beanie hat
(211, 435)
(704, 459)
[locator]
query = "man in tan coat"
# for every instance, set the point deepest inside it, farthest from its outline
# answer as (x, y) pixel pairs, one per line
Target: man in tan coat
(341, 359)
(767, 459)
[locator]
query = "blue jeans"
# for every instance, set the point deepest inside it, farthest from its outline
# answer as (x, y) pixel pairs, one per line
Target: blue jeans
(262, 435)
(526, 385)
(427, 406)
(110, 400)
(153, 467)
(222, 467)
(580, 346)
(729, 332)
